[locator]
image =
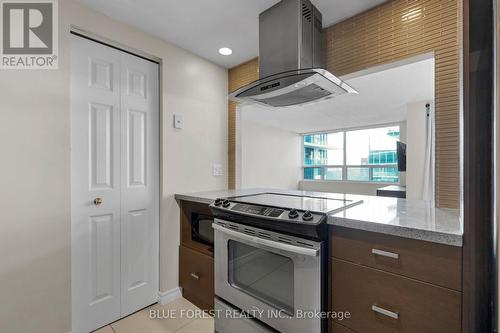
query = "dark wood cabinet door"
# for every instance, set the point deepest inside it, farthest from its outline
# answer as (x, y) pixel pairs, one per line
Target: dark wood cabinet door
(381, 302)
(196, 277)
(337, 328)
(430, 262)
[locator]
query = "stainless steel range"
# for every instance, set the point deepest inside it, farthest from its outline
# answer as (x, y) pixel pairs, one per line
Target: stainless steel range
(270, 262)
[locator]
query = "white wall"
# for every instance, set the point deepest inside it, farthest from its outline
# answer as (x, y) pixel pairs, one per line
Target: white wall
(35, 293)
(269, 157)
(416, 118)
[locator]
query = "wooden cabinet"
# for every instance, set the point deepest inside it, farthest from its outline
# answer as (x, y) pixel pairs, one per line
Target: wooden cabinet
(196, 277)
(196, 262)
(381, 302)
(337, 328)
(430, 262)
(390, 284)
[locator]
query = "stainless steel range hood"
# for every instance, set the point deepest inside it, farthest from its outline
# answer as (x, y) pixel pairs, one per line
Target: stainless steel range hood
(291, 59)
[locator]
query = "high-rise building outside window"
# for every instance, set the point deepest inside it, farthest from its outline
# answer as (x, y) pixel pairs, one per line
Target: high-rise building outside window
(366, 155)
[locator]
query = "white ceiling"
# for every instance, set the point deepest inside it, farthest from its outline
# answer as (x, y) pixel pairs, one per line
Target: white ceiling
(383, 96)
(204, 26)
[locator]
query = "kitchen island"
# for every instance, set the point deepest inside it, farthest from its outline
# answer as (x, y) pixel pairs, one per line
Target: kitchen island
(413, 219)
(391, 262)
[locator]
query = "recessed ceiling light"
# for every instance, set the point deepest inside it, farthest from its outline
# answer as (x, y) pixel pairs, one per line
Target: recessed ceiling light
(225, 51)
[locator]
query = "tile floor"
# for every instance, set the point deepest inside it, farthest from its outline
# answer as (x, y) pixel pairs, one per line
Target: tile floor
(184, 321)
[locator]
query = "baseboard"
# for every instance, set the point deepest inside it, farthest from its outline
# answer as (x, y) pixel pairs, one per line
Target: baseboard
(169, 295)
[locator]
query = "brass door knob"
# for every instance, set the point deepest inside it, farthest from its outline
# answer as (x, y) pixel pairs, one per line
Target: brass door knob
(97, 201)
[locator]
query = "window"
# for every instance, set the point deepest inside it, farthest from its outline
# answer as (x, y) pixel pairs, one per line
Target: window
(367, 155)
(324, 149)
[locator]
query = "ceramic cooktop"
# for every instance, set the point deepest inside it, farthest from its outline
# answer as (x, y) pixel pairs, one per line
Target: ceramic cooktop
(310, 203)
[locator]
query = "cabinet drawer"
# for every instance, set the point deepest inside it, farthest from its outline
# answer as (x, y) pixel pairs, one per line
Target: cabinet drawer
(381, 302)
(196, 277)
(337, 328)
(430, 262)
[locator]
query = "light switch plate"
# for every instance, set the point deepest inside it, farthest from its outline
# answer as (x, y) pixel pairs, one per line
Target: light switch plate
(178, 123)
(217, 170)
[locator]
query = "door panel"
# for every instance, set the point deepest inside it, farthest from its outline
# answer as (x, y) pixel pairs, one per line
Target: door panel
(101, 74)
(136, 148)
(136, 83)
(140, 183)
(136, 231)
(101, 149)
(101, 255)
(114, 157)
(95, 146)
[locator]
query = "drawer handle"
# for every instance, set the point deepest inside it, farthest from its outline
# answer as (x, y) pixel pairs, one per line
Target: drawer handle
(195, 276)
(385, 254)
(394, 315)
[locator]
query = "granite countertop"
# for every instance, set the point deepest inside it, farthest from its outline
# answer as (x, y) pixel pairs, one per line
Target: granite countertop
(413, 219)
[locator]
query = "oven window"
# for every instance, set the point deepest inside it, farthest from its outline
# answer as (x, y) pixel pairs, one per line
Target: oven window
(264, 275)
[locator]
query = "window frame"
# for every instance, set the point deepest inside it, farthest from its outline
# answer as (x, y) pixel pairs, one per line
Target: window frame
(345, 166)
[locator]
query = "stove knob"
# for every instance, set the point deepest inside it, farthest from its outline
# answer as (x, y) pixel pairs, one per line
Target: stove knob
(218, 202)
(293, 214)
(307, 216)
(226, 203)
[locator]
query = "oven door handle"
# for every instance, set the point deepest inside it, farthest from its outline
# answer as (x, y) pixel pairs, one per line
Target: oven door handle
(269, 243)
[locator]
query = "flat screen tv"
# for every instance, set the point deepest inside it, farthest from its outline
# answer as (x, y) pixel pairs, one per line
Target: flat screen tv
(401, 147)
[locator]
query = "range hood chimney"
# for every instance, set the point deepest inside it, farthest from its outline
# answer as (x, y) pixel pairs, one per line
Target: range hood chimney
(291, 59)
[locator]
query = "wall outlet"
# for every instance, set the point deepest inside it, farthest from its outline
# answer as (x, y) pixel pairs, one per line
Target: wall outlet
(178, 123)
(217, 170)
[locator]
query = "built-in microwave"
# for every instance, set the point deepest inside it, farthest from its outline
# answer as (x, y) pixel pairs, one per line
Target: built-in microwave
(201, 228)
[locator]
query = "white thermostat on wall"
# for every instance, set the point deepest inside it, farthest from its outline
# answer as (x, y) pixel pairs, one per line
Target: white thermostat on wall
(178, 121)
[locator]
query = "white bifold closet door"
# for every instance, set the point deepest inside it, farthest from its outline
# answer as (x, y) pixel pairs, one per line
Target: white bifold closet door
(114, 183)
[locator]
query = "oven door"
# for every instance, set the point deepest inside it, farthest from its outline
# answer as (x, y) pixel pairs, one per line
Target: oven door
(275, 277)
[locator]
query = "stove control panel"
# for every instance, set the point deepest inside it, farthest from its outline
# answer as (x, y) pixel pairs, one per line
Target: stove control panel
(258, 210)
(279, 214)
